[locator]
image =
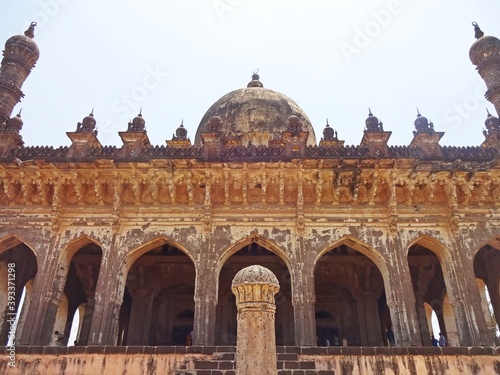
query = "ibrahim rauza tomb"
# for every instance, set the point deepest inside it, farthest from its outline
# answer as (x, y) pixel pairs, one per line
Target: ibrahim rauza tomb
(143, 241)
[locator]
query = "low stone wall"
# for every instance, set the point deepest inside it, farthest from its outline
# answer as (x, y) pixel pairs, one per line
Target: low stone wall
(164, 360)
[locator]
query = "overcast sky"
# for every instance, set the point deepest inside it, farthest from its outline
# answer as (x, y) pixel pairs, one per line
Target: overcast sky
(174, 58)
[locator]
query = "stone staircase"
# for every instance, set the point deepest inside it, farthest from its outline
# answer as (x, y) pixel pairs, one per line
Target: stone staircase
(223, 363)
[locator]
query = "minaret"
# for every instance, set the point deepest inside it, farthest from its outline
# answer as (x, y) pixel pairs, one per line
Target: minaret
(485, 55)
(19, 57)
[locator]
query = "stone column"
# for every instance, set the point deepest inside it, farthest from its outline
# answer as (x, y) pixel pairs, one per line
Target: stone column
(254, 288)
(205, 297)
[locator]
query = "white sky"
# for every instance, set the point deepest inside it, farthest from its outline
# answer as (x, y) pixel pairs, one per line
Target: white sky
(174, 58)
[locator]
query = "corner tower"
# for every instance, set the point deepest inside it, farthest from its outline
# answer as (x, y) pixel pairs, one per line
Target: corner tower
(19, 57)
(485, 55)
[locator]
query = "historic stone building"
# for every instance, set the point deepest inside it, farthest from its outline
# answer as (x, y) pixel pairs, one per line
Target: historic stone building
(144, 240)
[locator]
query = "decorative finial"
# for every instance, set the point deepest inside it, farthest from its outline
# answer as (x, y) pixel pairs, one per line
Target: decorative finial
(19, 114)
(182, 123)
(255, 80)
(488, 112)
(478, 33)
(418, 113)
(30, 33)
(327, 122)
(92, 113)
(370, 112)
(140, 112)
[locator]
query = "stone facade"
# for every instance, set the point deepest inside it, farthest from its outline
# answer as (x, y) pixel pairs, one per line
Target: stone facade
(145, 240)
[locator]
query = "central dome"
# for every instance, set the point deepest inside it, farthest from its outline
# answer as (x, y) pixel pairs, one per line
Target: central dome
(255, 115)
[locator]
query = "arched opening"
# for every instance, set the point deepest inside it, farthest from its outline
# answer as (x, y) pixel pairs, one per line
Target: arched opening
(350, 287)
(250, 254)
(25, 305)
(487, 272)
(487, 308)
(18, 266)
(79, 290)
(429, 288)
(159, 289)
(60, 324)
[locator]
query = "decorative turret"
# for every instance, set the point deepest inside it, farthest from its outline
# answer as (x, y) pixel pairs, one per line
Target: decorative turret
(374, 137)
(84, 138)
(330, 138)
(135, 138)
(492, 132)
(422, 124)
(181, 132)
(137, 124)
(180, 138)
(372, 123)
(485, 55)
(425, 138)
(15, 124)
(19, 57)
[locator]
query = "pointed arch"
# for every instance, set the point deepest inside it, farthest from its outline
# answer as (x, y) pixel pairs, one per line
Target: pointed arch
(259, 240)
(254, 249)
(11, 241)
(76, 244)
(364, 249)
(17, 259)
(360, 291)
(153, 290)
(433, 245)
(138, 251)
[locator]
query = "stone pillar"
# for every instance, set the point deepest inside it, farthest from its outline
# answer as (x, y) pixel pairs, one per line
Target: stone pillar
(254, 288)
(140, 318)
(401, 297)
(86, 321)
(205, 298)
(108, 297)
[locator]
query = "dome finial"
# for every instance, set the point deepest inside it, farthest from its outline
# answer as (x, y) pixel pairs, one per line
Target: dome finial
(19, 114)
(488, 112)
(478, 33)
(255, 80)
(30, 33)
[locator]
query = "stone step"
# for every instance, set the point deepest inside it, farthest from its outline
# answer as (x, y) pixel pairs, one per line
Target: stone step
(233, 372)
(223, 363)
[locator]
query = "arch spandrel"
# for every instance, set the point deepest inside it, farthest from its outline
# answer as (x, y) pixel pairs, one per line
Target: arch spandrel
(360, 246)
(431, 244)
(72, 247)
(131, 255)
(253, 238)
(10, 241)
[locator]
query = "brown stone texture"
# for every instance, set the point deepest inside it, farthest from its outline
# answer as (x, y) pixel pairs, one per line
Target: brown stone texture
(144, 241)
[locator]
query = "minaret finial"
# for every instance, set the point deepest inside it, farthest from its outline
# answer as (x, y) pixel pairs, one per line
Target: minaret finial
(370, 112)
(19, 114)
(478, 33)
(418, 113)
(327, 122)
(140, 112)
(488, 112)
(92, 113)
(182, 122)
(30, 33)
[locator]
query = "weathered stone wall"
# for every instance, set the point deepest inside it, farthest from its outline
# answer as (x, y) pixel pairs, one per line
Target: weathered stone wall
(165, 360)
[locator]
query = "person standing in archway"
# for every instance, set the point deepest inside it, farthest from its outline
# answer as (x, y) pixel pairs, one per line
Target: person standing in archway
(389, 334)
